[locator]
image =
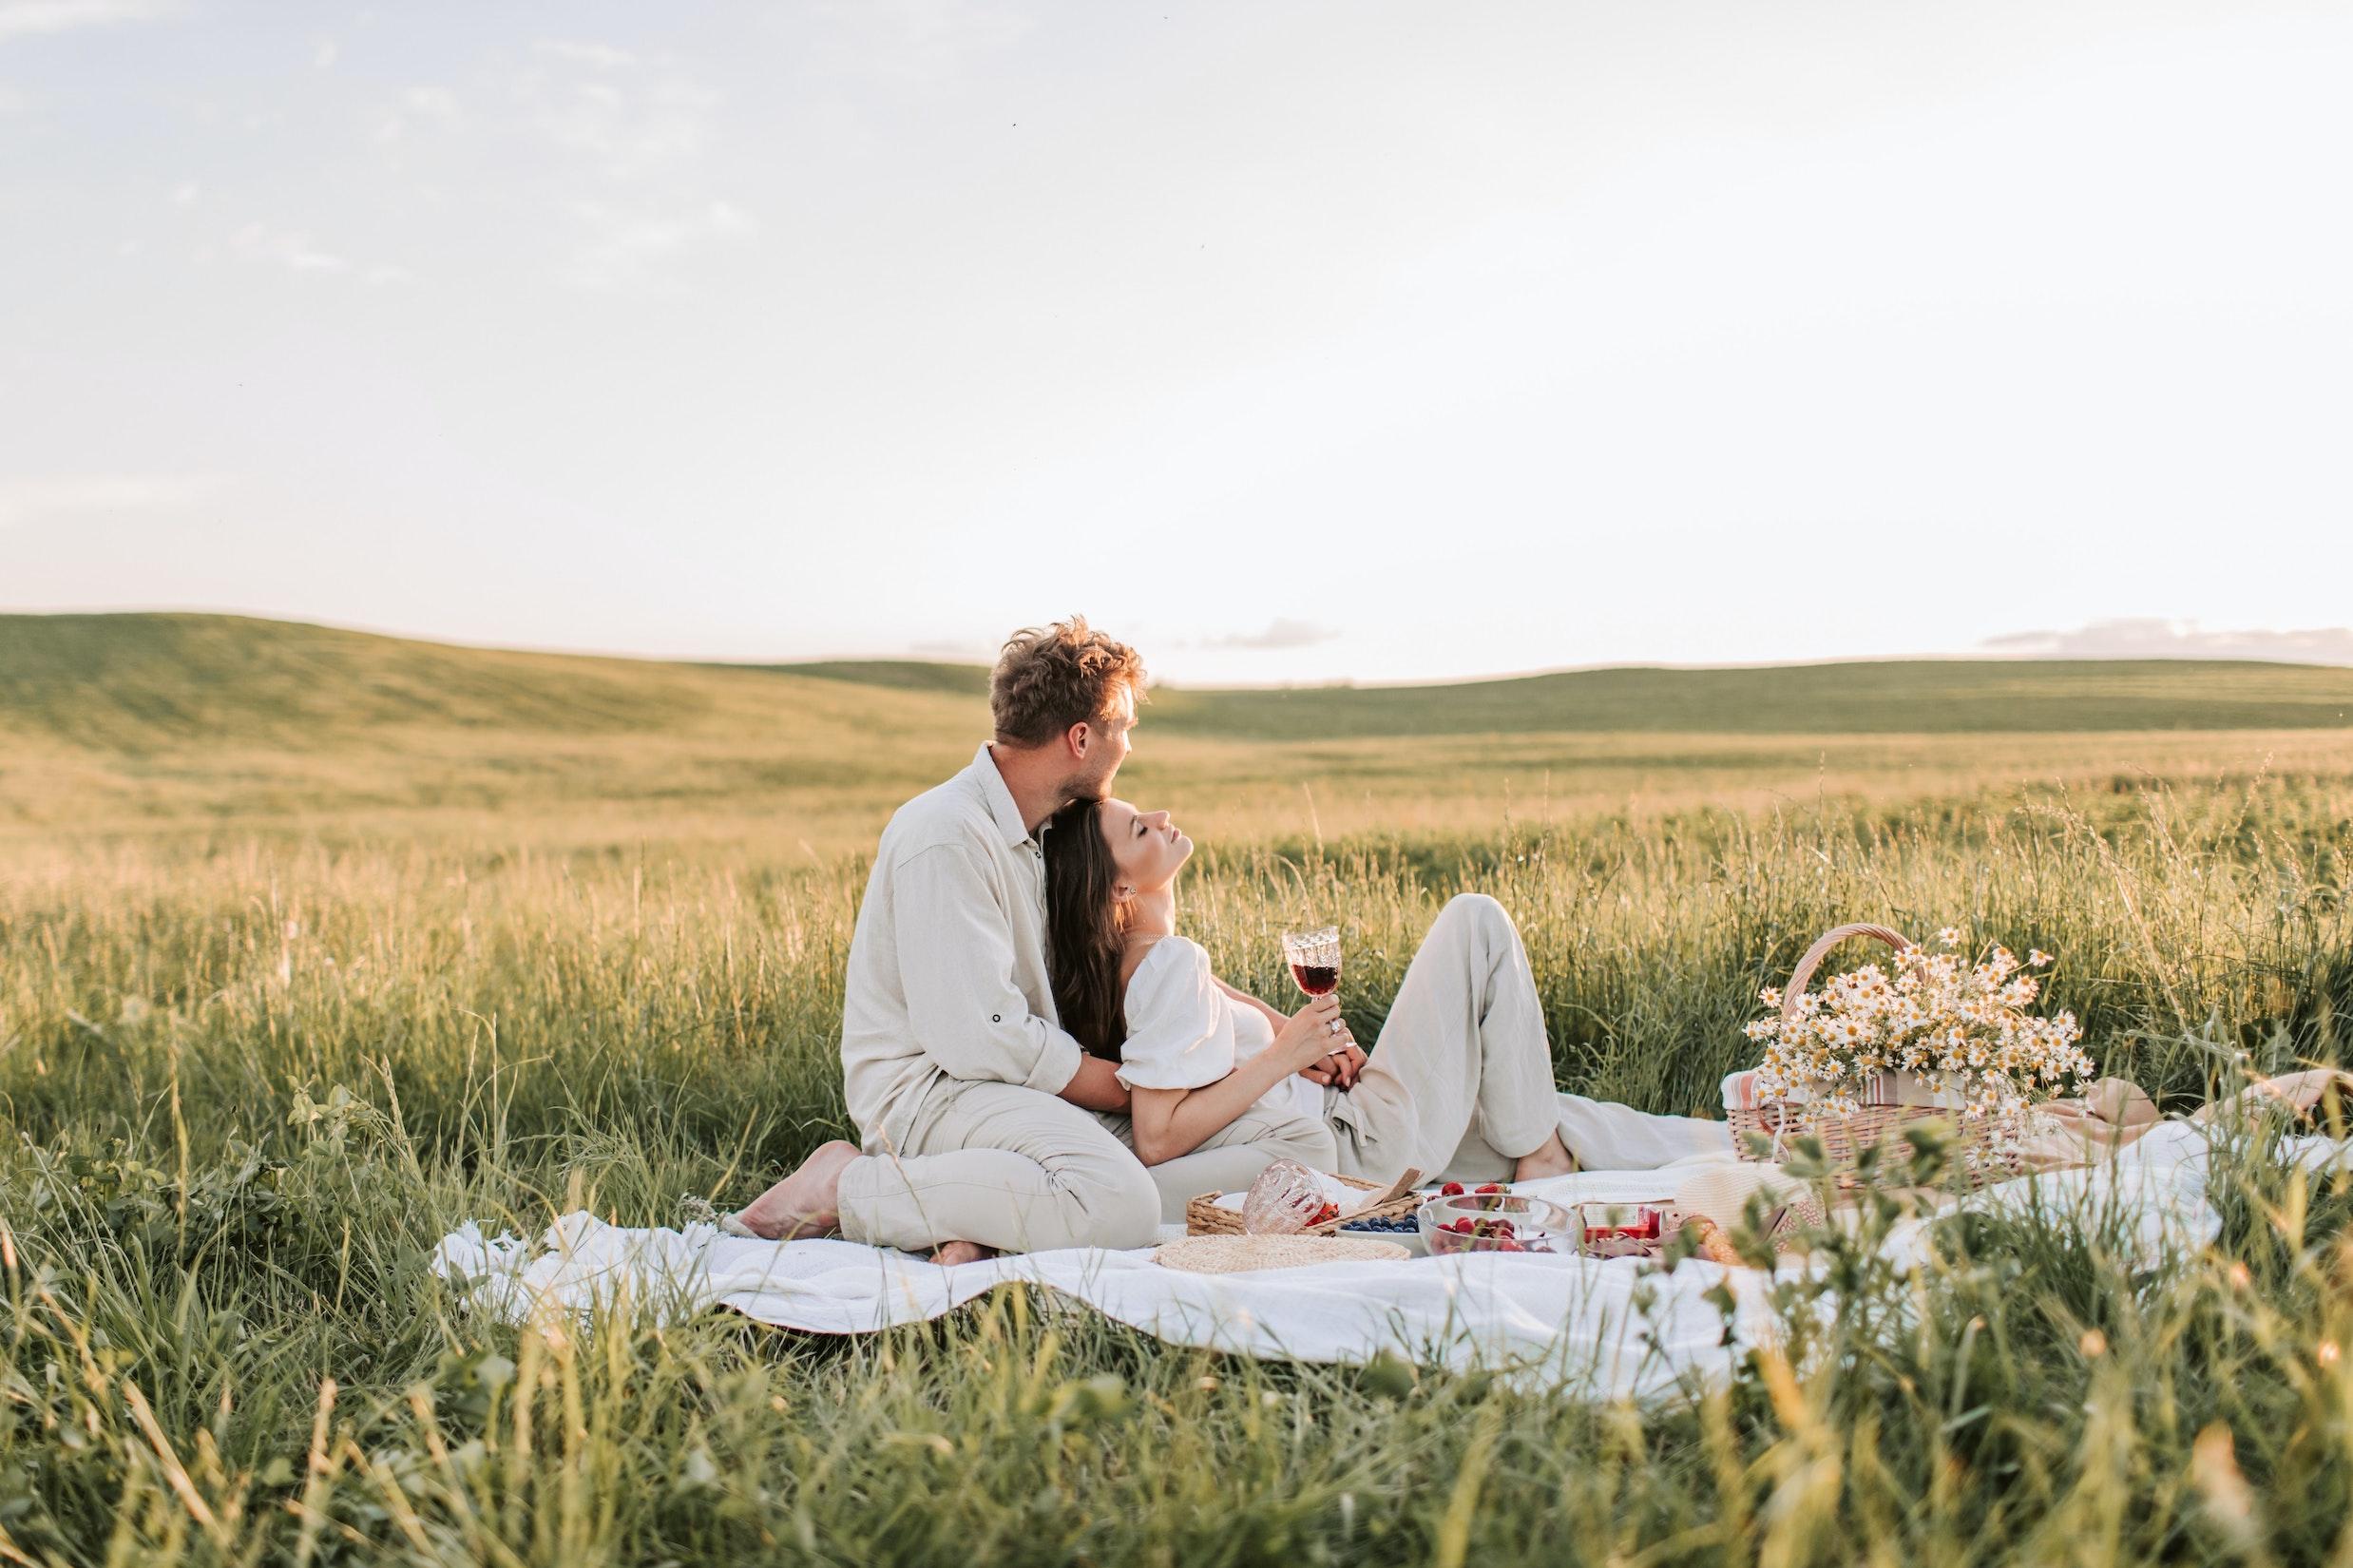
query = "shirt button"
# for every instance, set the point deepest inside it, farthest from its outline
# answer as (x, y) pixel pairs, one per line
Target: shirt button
(995, 1017)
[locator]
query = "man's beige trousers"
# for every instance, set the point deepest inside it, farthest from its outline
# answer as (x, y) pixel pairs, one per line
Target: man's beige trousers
(1023, 1171)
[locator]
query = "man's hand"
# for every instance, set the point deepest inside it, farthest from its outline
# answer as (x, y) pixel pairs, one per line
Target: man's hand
(1341, 1068)
(1097, 1086)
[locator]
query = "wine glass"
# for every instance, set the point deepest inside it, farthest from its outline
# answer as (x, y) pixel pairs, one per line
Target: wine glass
(1286, 1199)
(1314, 959)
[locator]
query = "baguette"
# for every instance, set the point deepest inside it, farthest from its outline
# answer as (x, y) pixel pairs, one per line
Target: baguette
(1713, 1244)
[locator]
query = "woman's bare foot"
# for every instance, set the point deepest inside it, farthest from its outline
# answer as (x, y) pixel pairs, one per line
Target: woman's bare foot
(960, 1251)
(1551, 1158)
(808, 1202)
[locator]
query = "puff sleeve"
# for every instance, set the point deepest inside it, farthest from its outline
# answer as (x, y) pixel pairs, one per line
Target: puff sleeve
(1179, 1031)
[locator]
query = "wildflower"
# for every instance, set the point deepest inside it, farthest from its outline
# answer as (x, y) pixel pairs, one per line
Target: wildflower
(2094, 1345)
(2214, 1466)
(1959, 1027)
(2329, 1352)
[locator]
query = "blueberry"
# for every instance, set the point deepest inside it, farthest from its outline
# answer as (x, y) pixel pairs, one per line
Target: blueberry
(1388, 1223)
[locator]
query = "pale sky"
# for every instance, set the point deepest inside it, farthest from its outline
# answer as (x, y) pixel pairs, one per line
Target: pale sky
(1291, 341)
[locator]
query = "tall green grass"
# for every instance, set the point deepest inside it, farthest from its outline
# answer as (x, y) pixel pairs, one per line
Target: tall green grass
(248, 1085)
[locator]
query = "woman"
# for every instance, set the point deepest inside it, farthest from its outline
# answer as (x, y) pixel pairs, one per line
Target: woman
(1460, 1084)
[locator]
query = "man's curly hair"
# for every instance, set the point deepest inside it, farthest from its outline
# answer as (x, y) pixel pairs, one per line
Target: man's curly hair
(1050, 678)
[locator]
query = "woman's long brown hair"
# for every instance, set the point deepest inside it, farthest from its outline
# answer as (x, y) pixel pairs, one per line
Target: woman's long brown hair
(1085, 933)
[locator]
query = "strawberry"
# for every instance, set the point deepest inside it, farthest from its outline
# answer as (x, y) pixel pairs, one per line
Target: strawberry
(1452, 1188)
(1489, 1187)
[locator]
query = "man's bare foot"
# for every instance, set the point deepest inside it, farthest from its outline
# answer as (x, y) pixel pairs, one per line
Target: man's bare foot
(1551, 1158)
(808, 1202)
(960, 1251)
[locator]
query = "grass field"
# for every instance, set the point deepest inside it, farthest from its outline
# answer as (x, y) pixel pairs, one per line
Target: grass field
(313, 945)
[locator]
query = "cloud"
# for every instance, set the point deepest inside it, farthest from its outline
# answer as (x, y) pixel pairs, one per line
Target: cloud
(288, 248)
(954, 651)
(60, 497)
(436, 105)
(2147, 636)
(919, 42)
(586, 52)
(431, 107)
(297, 252)
(648, 126)
(31, 18)
(1280, 633)
(621, 245)
(622, 141)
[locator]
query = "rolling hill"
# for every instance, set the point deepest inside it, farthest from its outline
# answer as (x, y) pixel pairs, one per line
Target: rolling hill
(1909, 696)
(139, 681)
(1933, 696)
(142, 683)
(223, 724)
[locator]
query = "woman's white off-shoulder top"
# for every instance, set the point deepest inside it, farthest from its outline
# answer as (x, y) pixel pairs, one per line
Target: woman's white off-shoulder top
(1184, 1033)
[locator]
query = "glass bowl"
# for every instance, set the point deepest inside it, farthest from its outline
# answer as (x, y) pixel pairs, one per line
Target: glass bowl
(1496, 1223)
(1618, 1229)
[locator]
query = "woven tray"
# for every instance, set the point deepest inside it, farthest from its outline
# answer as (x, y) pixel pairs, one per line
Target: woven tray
(1237, 1254)
(1204, 1219)
(1844, 1137)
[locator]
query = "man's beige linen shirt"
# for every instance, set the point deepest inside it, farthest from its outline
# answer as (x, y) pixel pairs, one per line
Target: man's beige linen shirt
(948, 975)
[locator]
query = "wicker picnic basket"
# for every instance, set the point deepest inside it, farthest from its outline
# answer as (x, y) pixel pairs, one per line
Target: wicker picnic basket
(1977, 1158)
(1204, 1219)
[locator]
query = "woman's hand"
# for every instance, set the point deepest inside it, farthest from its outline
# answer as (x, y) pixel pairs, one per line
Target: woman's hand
(1343, 1067)
(1311, 1034)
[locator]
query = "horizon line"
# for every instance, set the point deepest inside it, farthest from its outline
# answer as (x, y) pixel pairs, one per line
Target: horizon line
(756, 662)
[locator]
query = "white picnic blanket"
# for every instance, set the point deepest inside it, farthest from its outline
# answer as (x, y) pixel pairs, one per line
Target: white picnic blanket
(1606, 1328)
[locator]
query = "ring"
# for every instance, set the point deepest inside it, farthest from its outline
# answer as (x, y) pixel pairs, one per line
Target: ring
(1333, 1026)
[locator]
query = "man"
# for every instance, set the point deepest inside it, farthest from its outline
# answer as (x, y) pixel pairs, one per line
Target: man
(985, 1126)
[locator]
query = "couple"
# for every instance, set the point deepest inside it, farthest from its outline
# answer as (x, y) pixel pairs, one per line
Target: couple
(1035, 1059)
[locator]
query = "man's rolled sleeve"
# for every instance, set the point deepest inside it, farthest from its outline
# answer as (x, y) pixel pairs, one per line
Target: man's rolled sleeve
(956, 963)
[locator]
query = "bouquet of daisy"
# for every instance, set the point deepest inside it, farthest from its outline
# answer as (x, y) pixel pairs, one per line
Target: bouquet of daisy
(1932, 1031)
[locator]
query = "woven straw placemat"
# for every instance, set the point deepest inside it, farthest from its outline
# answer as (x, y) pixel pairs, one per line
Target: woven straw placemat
(1235, 1254)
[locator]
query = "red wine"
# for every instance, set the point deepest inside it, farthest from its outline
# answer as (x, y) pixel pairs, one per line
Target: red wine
(1315, 978)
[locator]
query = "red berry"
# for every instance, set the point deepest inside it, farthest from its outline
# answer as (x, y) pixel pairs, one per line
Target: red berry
(1490, 1187)
(1452, 1188)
